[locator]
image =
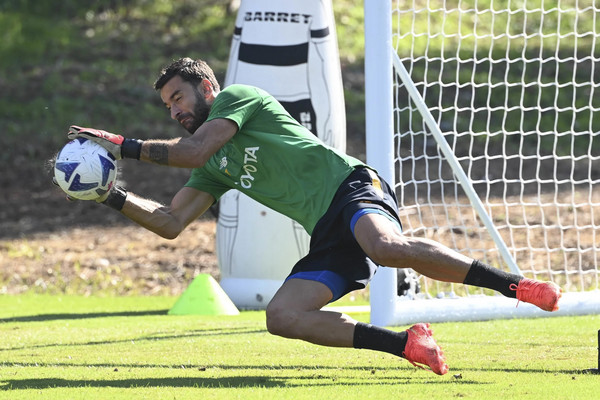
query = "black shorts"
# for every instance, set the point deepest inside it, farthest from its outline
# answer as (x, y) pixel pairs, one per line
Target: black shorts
(335, 257)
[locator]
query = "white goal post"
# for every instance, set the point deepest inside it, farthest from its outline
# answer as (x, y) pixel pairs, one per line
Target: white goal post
(485, 116)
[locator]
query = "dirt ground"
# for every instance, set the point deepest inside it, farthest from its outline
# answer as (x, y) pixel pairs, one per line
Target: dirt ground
(48, 244)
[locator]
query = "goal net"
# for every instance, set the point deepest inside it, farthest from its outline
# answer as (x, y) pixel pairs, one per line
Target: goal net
(496, 124)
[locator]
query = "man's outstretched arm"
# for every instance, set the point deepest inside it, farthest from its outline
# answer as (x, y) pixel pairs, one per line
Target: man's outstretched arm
(166, 221)
(193, 151)
(189, 152)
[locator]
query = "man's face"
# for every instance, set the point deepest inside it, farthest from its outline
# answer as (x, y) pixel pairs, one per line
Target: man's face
(186, 102)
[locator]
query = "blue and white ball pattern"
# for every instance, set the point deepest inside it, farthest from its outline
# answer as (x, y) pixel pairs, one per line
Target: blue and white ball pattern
(85, 170)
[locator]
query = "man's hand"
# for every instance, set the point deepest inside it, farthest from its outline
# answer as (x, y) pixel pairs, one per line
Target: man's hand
(111, 142)
(100, 199)
(57, 185)
(116, 145)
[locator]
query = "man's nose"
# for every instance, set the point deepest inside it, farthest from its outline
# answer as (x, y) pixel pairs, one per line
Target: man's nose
(175, 111)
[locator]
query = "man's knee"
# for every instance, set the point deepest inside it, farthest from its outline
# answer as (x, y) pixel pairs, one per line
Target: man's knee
(281, 321)
(292, 305)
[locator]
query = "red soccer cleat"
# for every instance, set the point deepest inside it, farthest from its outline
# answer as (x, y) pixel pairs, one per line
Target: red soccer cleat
(545, 295)
(421, 348)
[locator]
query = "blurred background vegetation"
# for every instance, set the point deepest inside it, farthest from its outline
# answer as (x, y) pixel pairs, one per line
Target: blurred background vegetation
(93, 62)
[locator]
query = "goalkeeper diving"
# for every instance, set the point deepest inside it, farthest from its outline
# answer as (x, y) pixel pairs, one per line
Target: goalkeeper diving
(242, 138)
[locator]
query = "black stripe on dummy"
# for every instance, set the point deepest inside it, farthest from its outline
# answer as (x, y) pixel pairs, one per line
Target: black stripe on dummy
(320, 33)
(273, 55)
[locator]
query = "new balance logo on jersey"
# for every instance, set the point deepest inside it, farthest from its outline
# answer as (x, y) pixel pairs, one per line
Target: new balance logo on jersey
(223, 165)
(250, 162)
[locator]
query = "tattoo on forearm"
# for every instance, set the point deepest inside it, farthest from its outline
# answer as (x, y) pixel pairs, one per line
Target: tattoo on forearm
(159, 153)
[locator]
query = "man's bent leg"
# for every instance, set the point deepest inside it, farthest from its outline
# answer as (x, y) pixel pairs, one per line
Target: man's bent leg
(382, 240)
(295, 312)
(384, 243)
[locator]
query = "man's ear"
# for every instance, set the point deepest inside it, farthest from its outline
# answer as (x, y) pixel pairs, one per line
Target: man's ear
(207, 88)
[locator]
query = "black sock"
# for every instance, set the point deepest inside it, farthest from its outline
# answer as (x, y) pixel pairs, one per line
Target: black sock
(367, 336)
(492, 278)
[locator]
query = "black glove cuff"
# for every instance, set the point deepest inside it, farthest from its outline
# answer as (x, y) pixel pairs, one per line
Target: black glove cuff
(131, 148)
(116, 198)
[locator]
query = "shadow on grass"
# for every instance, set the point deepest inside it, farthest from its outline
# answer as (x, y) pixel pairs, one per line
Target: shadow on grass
(226, 382)
(184, 335)
(292, 367)
(54, 317)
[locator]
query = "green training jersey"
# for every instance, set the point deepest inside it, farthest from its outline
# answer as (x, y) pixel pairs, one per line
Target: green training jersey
(272, 158)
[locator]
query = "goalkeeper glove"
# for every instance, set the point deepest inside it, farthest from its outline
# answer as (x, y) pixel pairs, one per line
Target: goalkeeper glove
(116, 145)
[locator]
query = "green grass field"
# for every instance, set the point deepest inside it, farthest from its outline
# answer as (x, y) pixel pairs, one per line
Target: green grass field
(128, 348)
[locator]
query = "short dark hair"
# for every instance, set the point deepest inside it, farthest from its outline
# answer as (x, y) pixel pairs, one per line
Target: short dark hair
(189, 70)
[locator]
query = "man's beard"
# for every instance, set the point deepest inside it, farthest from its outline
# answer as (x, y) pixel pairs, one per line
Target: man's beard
(199, 116)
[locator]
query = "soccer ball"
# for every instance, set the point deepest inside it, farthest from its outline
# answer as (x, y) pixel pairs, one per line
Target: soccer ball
(85, 170)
